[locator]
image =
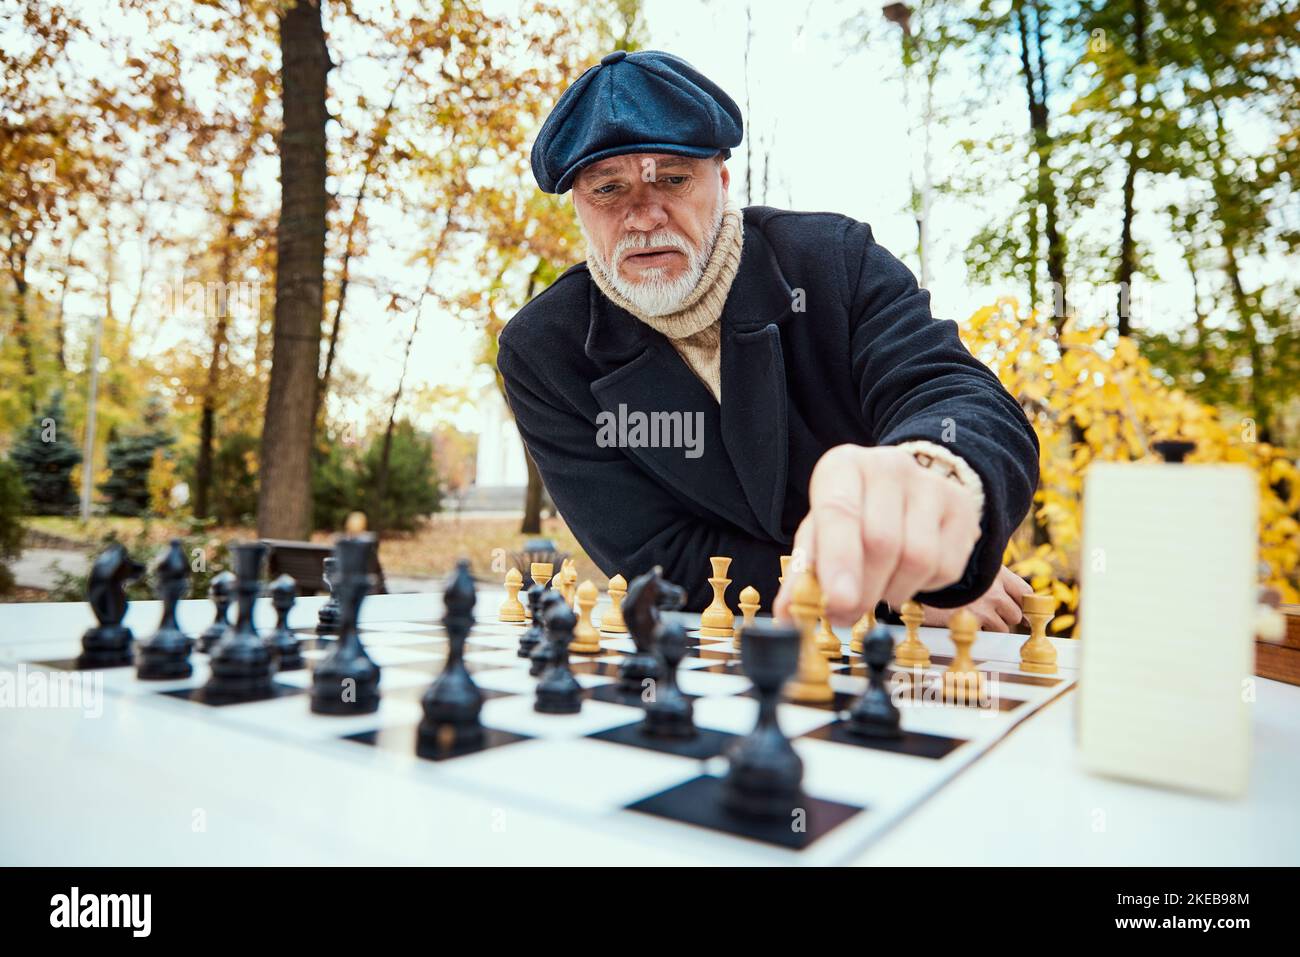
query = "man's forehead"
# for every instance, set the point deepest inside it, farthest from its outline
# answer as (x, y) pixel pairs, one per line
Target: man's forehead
(618, 164)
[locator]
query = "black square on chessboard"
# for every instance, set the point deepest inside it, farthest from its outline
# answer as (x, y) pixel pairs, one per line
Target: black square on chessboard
(606, 669)
(840, 700)
(75, 664)
(699, 802)
(617, 695)
(711, 654)
(915, 743)
(1038, 681)
(706, 744)
(417, 692)
(406, 740)
(201, 695)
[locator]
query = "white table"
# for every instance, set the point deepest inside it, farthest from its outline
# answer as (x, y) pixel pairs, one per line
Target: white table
(90, 792)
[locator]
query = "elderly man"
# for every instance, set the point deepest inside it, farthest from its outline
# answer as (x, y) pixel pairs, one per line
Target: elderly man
(816, 406)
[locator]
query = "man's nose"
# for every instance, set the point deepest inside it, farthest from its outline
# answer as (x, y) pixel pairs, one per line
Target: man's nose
(646, 216)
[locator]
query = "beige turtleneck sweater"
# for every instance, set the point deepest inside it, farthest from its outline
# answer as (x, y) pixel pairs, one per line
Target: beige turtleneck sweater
(695, 330)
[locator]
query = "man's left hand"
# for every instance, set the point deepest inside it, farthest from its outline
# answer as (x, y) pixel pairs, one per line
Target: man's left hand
(998, 609)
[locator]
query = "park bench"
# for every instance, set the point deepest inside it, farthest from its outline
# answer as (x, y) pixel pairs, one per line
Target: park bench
(304, 562)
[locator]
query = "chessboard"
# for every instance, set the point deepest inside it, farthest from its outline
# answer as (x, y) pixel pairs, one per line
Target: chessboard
(595, 769)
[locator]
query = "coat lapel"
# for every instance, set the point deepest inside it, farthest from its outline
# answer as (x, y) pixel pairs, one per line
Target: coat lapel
(741, 475)
(755, 426)
(659, 381)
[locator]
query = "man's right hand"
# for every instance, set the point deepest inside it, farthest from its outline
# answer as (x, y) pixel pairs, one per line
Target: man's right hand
(880, 526)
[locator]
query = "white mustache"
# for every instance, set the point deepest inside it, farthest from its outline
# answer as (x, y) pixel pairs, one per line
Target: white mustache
(642, 241)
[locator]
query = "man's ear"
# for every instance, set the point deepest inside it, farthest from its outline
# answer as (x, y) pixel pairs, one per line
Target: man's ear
(725, 175)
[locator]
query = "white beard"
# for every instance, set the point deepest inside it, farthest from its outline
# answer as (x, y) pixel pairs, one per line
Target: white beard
(653, 294)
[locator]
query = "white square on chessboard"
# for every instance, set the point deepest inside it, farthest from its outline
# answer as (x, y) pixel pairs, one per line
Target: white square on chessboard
(953, 721)
(384, 655)
(618, 644)
(391, 678)
(738, 715)
(856, 775)
(574, 773)
(706, 683)
(293, 716)
(124, 681)
(481, 637)
(502, 657)
(41, 651)
(519, 681)
(397, 626)
(369, 638)
(1013, 667)
(516, 713)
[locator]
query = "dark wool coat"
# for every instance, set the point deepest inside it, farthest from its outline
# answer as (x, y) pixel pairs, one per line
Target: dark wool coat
(826, 339)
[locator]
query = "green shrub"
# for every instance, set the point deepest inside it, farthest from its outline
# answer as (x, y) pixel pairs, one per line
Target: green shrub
(344, 482)
(130, 459)
(13, 504)
(412, 489)
(45, 457)
(233, 496)
(208, 556)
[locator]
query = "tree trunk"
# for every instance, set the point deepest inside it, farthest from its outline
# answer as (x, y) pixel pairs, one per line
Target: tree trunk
(1035, 76)
(284, 506)
(1243, 302)
(1202, 343)
(385, 452)
(1127, 245)
(532, 524)
(1246, 315)
(22, 326)
(1124, 275)
(207, 419)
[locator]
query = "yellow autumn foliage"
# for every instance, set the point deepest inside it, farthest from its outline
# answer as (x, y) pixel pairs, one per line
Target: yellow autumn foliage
(163, 476)
(1091, 397)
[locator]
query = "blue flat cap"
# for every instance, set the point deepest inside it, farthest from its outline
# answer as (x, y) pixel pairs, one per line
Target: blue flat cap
(643, 102)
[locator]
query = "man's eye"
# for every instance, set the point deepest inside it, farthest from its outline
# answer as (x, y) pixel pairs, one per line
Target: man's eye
(673, 180)
(606, 189)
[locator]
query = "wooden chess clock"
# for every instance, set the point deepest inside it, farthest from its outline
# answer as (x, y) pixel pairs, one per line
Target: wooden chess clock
(1278, 657)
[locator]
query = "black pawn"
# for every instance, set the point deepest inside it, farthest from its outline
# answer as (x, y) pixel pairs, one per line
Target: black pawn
(327, 619)
(166, 654)
(346, 681)
(669, 713)
(544, 654)
(453, 701)
(766, 776)
(532, 636)
(220, 590)
(559, 692)
(242, 665)
(284, 643)
(875, 715)
(108, 644)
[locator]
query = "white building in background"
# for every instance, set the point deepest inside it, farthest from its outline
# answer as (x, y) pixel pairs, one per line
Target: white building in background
(500, 472)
